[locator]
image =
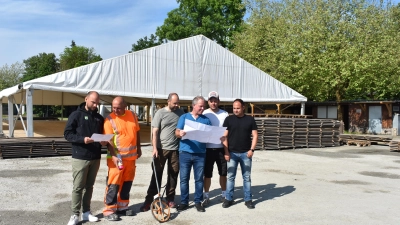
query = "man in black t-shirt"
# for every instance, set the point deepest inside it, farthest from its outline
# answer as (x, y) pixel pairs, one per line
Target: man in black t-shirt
(240, 140)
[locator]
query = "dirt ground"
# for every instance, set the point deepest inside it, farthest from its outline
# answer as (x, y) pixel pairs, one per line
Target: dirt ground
(338, 185)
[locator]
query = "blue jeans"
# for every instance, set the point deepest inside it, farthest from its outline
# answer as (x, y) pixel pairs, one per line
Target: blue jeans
(186, 161)
(245, 165)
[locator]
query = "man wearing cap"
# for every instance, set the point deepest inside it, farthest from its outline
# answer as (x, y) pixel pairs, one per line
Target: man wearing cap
(215, 152)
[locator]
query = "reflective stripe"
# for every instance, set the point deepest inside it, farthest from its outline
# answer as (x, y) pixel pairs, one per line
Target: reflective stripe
(128, 155)
(122, 204)
(114, 126)
(127, 149)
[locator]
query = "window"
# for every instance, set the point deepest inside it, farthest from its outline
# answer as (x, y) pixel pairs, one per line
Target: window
(327, 112)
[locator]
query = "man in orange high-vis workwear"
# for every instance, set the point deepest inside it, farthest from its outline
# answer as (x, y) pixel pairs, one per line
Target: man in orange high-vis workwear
(126, 142)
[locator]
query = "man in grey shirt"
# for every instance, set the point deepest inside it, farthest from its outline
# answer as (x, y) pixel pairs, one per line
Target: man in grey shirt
(165, 147)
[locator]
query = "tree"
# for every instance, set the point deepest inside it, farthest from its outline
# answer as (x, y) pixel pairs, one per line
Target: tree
(76, 56)
(10, 75)
(40, 65)
(145, 42)
(326, 50)
(215, 19)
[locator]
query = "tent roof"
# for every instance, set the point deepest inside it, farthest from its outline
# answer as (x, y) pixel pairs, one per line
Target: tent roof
(190, 67)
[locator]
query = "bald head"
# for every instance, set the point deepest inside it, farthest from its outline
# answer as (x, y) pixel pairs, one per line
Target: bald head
(92, 101)
(173, 101)
(118, 106)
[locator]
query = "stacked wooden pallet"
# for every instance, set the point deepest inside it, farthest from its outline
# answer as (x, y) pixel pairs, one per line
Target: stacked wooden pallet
(34, 147)
(284, 133)
(394, 145)
(371, 138)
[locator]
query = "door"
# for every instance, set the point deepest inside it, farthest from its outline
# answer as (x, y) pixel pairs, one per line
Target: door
(375, 119)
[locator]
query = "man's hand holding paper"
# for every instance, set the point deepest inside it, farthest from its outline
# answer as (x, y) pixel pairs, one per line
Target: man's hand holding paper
(101, 137)
(203, 133)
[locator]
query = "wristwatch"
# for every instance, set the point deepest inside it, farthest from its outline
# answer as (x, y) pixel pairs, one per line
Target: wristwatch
(252, 150)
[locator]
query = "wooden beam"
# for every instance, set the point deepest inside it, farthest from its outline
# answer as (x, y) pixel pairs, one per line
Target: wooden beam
(389, 108)
(252, 109)
(278, 106)
(363, 107)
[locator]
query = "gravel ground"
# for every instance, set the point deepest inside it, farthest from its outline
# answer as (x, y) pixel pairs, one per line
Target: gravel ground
(338, 185)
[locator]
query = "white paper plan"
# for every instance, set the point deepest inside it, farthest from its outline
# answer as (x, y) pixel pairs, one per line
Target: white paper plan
(101, 137)
(202, 132)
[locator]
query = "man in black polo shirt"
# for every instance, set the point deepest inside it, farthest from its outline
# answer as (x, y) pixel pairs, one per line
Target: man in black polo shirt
(241, 139)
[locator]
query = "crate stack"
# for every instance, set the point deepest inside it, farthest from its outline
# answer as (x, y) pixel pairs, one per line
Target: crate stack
(34, 147)
(285, 133)
(394, 145)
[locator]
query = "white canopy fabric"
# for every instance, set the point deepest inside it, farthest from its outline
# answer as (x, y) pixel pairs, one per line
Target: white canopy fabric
(190, 67)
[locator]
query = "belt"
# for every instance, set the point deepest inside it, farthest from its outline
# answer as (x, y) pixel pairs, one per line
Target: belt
(216, 149)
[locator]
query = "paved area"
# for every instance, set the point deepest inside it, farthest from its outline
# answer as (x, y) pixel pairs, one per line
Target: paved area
(340, 185)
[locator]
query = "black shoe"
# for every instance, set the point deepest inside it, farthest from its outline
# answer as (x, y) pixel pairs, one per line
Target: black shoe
(145, 207)
(249, 204)
(227, 203)
(126, 212)
(182, 207)
(199, 207)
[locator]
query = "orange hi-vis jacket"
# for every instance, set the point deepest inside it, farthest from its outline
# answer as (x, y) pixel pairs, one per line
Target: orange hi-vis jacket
(125, 130)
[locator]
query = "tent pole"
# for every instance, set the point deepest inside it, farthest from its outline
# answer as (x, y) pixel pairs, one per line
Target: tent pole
(303, 106)
(1, 117)
(153, 107)
(29, 112)
(147, 113)
(62, 106)
(10, 116)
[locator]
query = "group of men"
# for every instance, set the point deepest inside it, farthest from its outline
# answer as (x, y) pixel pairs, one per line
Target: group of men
(180, 154)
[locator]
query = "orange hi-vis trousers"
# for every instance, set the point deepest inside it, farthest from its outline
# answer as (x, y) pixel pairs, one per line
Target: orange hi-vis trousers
(119, 183)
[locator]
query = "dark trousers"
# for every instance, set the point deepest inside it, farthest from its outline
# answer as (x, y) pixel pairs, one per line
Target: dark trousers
(172, 156)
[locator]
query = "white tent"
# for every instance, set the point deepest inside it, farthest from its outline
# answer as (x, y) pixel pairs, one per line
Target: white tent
(190, 67)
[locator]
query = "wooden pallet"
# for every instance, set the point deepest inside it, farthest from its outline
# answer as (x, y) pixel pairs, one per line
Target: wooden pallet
(394, 146)
(359, 143)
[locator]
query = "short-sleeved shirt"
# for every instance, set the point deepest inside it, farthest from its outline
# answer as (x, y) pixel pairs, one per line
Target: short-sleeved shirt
(217, 119)
(166, 121)
(126, 128)
(192, 146)
(240, 132)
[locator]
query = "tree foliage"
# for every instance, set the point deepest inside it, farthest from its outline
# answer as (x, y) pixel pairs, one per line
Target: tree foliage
(215, 19)
(40, 65)
(326, 50)
(145, 42)
(76, 56)
(10, 75)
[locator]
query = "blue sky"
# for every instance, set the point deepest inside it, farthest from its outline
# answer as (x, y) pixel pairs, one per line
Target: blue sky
(30, 27)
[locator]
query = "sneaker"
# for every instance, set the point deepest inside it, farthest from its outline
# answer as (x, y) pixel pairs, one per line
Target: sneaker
(249, 204)
(112, 217)
(171, 204)
(199, 207)
(182, 207)
(205, 202)
(87, 216)
(145, 207)
(73, 220)
(227, 203)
